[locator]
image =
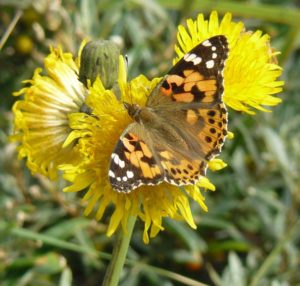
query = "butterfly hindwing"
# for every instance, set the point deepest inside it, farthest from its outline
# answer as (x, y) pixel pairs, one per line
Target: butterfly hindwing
(179, 170)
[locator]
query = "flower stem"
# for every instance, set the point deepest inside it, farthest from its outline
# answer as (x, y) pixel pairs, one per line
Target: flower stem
(113, 273)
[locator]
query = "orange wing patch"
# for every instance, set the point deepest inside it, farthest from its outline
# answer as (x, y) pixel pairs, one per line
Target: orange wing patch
(191, 117)
(182, 172)
(184, 97)
(146, 151)
(187, 72)
(171, 80)
(207, 85)
(214, 131)
(192, 76)
(193, 86)
(128, 144)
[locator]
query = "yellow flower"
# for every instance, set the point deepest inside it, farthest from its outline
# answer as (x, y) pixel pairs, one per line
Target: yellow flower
(96, 136)
(41, 123)
(250, 72)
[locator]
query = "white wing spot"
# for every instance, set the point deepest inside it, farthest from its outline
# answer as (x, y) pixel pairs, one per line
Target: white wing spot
(210, 64)
(118, 161)
(118, 179)
(124, 178)
(213, 48)
(197, 61)
(129, 174)
(192, 58)
(111, 174)
(206, 43)
(189, 57)
(121, 163)
(214, 55)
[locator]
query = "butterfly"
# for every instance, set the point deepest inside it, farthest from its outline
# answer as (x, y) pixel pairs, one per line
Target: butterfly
(182, 126)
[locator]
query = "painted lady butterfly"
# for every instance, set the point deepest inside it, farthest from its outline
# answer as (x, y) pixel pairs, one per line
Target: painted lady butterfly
(182, 126)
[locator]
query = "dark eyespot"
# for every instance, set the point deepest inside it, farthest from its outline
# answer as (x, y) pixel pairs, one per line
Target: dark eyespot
(208, 139)
(165, 85)
(190, 167)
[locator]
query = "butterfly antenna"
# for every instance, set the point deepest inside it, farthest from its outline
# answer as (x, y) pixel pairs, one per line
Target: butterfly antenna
(126, 60)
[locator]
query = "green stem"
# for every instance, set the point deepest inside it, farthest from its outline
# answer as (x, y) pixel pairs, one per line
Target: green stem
(272, 256)
(113, 273)
(274, 13)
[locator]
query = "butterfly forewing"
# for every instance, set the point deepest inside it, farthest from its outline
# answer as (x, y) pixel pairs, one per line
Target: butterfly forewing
(198, 76)
(133, 163)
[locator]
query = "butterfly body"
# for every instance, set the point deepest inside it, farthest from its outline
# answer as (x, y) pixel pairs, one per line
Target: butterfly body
(149, 119)
(182, 126)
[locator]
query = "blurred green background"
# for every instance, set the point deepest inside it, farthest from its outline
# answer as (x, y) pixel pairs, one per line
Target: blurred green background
(250, 236)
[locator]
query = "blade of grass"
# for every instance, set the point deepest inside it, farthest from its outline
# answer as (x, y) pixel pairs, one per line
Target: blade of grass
(289, 43)
(31, 235)
(172, 275)
(10, 28)
(262, 271)
(274, 13)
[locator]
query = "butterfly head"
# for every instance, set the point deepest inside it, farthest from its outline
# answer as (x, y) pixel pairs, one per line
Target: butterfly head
(133, 110)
